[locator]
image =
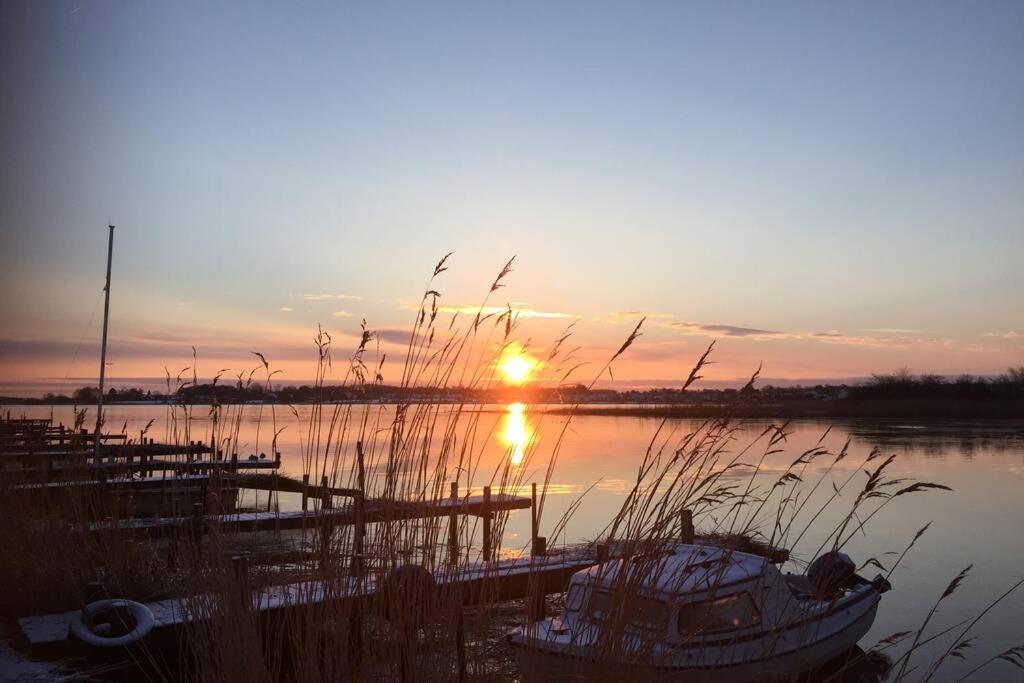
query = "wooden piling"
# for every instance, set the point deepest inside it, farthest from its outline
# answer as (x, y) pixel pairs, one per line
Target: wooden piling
(360, 468)
(95, 590)
(270, 494)
(355, 640)
(488, 549)
(460, 645)
(453, 526)
(686, 526)
(358, 534)
(534, 522)
(538, 605)
(240, 567)
(326, 499)
(197, 526)
(305, 493)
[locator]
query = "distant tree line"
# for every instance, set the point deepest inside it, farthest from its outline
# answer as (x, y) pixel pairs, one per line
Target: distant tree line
(898, 386)
(903, 384)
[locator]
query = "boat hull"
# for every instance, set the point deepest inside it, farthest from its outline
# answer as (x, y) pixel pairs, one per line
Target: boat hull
(540, 662)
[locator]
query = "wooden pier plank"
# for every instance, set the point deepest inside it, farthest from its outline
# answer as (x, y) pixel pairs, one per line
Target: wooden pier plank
(375, 511)
(91, 468)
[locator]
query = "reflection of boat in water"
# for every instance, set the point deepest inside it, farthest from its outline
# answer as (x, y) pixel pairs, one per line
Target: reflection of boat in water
(700, 613)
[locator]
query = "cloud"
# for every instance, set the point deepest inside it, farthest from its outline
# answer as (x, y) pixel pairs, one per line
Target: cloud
(132, 348)
(341, 314)
(519, 309)
(880, 341)
(392, 335)
(1005, 335)
(640, 313)
(727, 330)
(329, 297)
(520, 312)
(893, 330)
(630, 317)
(286, 309)
(892, 338)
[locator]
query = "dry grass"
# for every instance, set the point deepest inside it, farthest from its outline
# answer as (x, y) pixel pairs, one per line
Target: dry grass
(413, 452)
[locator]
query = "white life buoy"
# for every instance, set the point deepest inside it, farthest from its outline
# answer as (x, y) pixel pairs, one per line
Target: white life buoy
(142, 619)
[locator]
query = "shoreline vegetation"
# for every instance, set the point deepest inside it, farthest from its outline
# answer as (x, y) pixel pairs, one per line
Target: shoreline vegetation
(896, 395)
(418, 596)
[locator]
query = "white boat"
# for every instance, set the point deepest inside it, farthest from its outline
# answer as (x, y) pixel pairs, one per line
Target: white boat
(700, 613)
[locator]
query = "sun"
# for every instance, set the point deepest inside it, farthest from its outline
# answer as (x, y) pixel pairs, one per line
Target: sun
(516, 366)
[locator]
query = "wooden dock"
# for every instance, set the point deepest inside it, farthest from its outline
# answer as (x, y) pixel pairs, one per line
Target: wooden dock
(117, 450)
(374, 511)
(110, 484)
(477, 582)
(92, 470)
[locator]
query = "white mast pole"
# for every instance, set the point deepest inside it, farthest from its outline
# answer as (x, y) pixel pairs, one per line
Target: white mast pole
(103, 348)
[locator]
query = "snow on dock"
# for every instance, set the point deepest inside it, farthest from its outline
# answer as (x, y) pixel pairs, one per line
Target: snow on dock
(479, 582)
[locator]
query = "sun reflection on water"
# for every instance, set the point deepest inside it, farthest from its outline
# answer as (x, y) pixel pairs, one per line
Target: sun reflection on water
(516, 433)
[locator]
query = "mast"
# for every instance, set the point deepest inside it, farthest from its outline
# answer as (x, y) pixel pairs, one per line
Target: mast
(103, 348)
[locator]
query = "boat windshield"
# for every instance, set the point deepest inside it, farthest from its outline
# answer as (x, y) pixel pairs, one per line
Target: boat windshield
(637, 611)
(574, 600)
(721, 614)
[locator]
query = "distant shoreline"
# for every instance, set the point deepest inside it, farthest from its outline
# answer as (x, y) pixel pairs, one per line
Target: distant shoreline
(899, 395)
(910, 409)
(837, 410)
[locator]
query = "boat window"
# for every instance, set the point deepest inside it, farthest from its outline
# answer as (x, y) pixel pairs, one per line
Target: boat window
(722, 614)
(574, 600)
(638, 611)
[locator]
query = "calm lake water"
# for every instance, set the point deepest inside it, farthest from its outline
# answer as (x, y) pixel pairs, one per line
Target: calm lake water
(979, 523)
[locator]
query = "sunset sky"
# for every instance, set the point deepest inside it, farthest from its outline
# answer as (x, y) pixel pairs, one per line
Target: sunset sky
(830, 191)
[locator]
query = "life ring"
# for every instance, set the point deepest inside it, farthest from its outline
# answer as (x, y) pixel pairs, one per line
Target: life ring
(141, 617)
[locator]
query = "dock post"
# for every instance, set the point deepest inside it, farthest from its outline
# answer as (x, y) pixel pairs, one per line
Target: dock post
(488, 550)
(95, 590)
(355, 640)
(197, 526)
(240, 566)
(460, 645)
(453, 525)
(534, 522)
(686, 526)
(327, 501)
(539, 546)
(538, 604)
(305, 493)
(360, 468)
(357, 535)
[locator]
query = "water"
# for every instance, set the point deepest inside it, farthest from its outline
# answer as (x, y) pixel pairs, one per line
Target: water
(979, 523)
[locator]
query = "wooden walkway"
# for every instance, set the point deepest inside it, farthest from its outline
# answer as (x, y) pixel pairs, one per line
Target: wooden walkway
(155, 483)
(374, 511)
(92, 470)
(478, 582)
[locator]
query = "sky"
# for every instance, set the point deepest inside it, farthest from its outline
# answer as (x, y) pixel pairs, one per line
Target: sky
(828, 190)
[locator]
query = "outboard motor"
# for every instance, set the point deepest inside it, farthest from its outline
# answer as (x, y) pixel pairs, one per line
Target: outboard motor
(831, 572)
